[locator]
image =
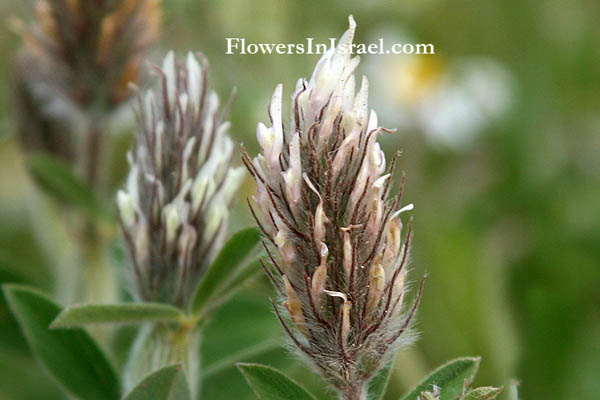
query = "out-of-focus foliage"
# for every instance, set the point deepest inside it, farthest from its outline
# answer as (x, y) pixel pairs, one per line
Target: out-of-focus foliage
(167, 383)
(507, 222)
(73, 357)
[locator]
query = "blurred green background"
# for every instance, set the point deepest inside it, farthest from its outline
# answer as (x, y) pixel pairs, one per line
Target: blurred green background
(500, 133)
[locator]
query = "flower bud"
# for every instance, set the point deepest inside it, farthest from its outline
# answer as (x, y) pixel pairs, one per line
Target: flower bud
(346, 308)
(172, 222)
(347, 250)
(294, 306)
(376, 285)
(393, 241)
(292, 176)
(319, 278)
(398, 290)
(287, 250)
(126, 210)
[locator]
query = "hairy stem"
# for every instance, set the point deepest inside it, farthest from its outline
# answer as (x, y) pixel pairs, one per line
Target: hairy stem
(159, 345)
(355, 392)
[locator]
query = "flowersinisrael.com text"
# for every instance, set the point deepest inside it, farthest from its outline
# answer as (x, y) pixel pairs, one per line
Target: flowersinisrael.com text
(240, 46)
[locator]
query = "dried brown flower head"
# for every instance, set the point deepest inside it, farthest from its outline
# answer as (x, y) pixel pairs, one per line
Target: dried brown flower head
(92, 48)
(75, 63)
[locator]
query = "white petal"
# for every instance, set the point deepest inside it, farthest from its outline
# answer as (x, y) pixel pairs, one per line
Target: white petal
(171, 76)
(194, 79)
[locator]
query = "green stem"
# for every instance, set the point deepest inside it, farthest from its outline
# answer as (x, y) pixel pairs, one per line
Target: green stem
(159, 345)
(93, 153)
(97, 281)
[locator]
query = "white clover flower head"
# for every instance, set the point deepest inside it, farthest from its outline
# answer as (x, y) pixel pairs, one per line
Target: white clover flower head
(337, 255)
(174, 208)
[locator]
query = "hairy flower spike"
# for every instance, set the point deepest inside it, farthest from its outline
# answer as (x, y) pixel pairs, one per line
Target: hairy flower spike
(323, 195)
(175, 206)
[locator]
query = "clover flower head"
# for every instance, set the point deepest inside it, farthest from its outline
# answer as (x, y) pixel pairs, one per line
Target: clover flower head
(335, 234)
(175, 205)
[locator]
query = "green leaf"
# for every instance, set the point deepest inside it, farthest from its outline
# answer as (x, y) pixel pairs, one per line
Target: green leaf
(244, 274)
(225, 268)
(483, 393)
(379, 383)
(126, 313)
(450, 378)
(57, 178)
(23, 378)
(14, 270)
(270, 384)
(72, 357)
(167, 383)
(253, 336)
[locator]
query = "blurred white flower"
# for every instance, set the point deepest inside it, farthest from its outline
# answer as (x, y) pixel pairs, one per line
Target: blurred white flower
(450, 100)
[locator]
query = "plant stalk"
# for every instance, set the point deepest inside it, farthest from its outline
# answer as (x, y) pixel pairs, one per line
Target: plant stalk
(356, 392)
(159, 345)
